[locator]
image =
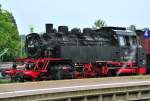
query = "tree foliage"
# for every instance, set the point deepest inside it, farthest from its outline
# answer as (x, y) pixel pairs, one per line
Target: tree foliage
(98, 24)
(9, 35)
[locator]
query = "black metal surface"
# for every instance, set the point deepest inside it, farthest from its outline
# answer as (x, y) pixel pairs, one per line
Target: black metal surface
(87, 46)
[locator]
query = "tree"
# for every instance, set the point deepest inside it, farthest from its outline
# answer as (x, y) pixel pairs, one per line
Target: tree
(9, 35)
(31, 28)
(98, 24)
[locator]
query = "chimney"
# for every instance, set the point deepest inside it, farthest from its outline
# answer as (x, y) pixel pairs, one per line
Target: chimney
(49, 28)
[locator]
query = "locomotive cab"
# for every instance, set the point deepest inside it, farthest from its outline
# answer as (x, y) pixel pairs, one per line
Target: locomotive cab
(126, 40)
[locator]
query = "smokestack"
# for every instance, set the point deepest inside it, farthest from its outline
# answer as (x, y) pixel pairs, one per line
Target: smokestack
(49, 28)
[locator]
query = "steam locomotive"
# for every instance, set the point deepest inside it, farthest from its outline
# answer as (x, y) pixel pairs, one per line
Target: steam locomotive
(61, 54)
(105, 44)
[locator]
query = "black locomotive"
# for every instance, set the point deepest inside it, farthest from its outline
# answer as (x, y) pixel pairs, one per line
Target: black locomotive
(105, 44)
(61, 54)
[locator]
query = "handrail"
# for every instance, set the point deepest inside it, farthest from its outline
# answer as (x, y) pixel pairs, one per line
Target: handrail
(4, 51)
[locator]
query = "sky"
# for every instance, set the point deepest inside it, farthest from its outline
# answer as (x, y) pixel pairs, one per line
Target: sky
(77, 13)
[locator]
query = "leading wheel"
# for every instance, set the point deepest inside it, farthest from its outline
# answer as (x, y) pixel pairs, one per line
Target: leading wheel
(19, 77)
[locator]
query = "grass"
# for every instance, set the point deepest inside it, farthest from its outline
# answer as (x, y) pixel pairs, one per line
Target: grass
(4, 81)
